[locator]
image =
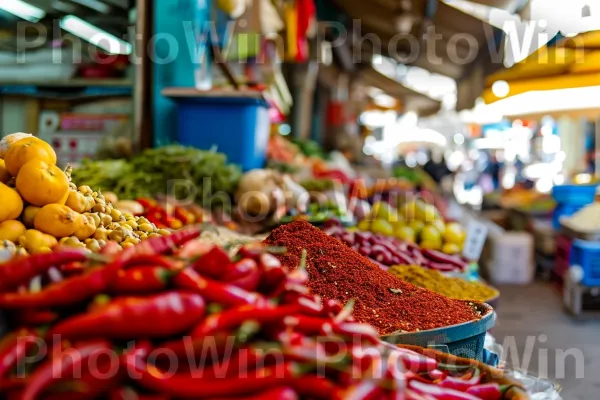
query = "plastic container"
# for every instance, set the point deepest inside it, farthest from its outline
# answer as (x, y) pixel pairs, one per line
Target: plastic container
(574, 194)
(463, 340)
(586, 255)
(564, 210)
(512, 259)
(236, 126)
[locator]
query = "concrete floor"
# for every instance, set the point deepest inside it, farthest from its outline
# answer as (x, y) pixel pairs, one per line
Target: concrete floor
(541, 337)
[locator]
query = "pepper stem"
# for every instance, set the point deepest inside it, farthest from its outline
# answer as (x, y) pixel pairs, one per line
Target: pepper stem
(302, 265)
(346, 311)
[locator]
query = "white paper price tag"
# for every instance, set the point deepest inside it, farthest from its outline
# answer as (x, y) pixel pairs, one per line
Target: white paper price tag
(476, 234)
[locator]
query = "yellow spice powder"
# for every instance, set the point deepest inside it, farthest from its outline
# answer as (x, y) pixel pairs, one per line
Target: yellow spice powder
(455, 288)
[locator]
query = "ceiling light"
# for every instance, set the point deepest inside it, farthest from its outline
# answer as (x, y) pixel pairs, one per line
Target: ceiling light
(94, 5)
(500, 88)
(23, 10)
(95, 35)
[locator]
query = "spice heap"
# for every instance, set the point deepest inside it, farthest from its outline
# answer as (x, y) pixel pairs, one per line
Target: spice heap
(382, 300)
(266, 337)
(455, 288)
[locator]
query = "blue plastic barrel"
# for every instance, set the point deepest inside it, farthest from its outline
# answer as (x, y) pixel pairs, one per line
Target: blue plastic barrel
(236, 126)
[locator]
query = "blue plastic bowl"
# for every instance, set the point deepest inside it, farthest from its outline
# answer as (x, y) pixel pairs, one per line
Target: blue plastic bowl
(462, 340)
(574, 194)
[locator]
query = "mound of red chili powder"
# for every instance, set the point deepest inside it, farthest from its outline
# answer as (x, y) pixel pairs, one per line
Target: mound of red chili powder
(388, 303)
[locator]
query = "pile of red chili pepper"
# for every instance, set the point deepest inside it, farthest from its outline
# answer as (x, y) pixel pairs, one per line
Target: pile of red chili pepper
(176, 318)
(173, 217)
(338, 272)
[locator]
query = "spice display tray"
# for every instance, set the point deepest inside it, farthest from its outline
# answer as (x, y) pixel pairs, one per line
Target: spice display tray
(581, 301)
(462, 340)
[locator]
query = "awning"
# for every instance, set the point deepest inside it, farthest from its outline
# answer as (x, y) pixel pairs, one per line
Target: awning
(413, 101)
(462, 43)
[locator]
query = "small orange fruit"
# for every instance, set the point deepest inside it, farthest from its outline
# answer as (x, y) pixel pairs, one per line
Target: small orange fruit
(5, 176)
(35, 241)
(40, 183)
(11, 230)
(57, 220)
(86, 228)
(28, 149)
(11, 204)
(77, 201)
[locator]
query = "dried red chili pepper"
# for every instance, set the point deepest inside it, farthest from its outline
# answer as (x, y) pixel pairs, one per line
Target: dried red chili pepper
(54, 368)
(21, 269)
(212, 291)
(134, 317)
(141, 280)
(14, 347)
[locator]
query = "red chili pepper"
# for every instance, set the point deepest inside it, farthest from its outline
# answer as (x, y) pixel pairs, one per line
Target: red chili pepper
(233, 271)
(235, 317)
(194, 249)
(69, 291)
(461, 384)
(14, 347)
(437, 375)
(274, 273)
(31, 317)
(186, 217)
(162, 244)
(12, 384)
(217, 292)
(141, 280)
(440, 393)
(309, 325)
(151, 260)
(249, 282)
(56, 368)
(147, 203)
(172, 222)
(186, 386)
(414, 362)
(127, 393)
(489, 391)
(283, 393)
(72, 268)
(20, 270)
(213, 263)
(134, 317)
(314, 387)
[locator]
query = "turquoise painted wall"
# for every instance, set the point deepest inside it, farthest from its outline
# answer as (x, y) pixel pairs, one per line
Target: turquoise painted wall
(173, 57)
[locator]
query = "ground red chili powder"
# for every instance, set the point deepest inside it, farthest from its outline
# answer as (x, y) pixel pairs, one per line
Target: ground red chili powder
(388, 303)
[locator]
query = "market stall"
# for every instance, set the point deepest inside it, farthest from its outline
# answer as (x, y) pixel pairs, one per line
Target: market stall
(99, 284)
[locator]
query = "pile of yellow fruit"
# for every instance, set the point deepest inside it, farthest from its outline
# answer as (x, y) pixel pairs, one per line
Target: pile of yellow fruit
(41, 207)
(415, 222)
